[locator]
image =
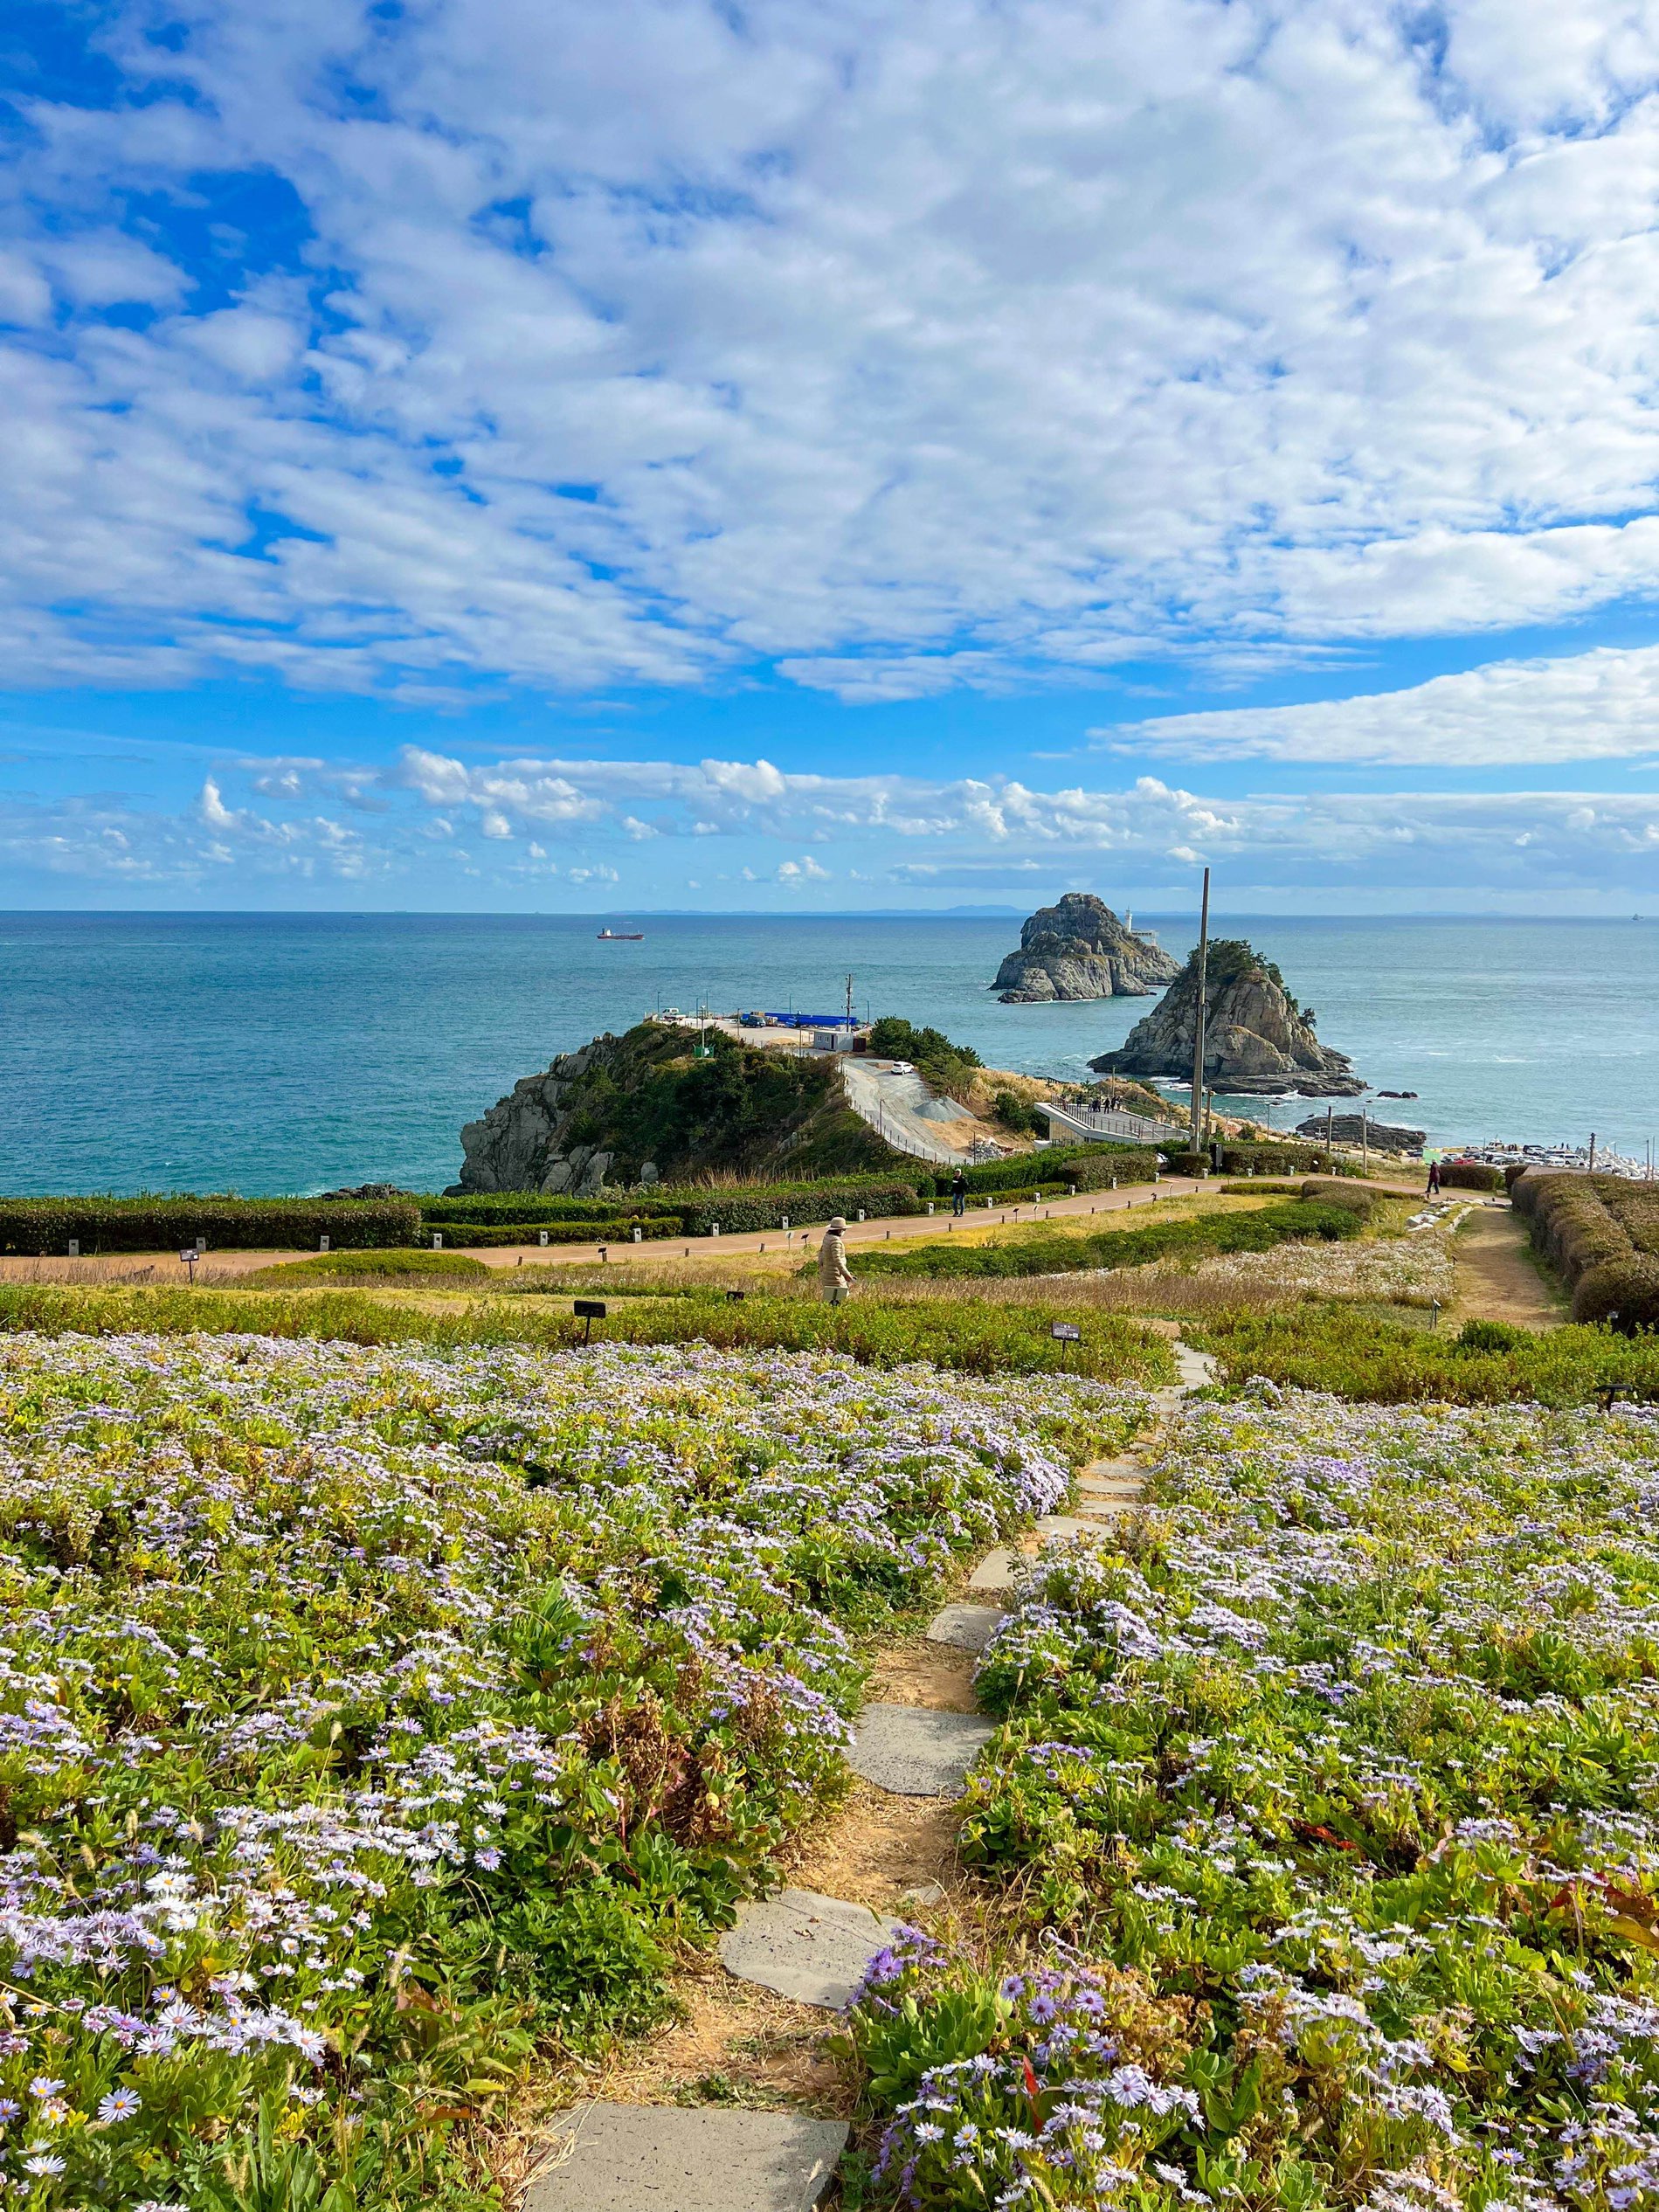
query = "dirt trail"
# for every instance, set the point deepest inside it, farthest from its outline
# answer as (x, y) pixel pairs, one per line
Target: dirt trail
(737, 2043)
(1495, 1276)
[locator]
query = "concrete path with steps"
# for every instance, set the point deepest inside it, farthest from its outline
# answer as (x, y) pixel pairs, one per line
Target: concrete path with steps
(813, 1948)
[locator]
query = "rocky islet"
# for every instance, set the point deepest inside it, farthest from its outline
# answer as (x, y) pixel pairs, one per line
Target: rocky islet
(1079, 949)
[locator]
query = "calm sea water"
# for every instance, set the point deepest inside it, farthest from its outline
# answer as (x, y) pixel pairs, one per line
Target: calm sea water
(266, 1053)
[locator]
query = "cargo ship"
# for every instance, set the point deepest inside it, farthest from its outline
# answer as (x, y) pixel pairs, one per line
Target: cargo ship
(622, 936)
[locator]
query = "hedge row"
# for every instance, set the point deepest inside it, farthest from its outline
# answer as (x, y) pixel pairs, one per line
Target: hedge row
(608, 1229)
(1283, 1159)
(1091, 1167)
(489, 1208)
(1602, 1232)
(1470, 1175)
(763, 1206)
(40, 1226)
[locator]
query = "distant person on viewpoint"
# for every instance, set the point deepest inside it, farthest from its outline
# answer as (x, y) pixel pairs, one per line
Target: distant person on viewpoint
(958, 1193)
(834, 1279)
(1433, 1179)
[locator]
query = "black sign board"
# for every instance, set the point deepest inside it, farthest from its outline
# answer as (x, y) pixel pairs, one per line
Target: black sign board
(1068, 1332)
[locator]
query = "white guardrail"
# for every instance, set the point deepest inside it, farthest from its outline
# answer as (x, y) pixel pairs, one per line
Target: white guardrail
(1103, 1125)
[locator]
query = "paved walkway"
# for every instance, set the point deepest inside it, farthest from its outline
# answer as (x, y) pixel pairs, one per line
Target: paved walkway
(810, 1947)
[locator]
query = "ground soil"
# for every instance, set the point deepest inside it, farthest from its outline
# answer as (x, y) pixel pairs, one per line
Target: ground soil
(1496, 1276)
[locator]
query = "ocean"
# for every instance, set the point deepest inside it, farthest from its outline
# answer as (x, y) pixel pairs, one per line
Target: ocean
(293, 1052)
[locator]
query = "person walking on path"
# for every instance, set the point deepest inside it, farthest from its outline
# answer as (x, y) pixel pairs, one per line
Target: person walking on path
(958, 1193)
(1433, 1179)
(835, 1280)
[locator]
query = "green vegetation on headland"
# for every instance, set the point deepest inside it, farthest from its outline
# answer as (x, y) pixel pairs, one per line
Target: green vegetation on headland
(1049, 1248)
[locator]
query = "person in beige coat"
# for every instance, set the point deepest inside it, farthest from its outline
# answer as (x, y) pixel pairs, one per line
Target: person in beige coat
(835, 1280)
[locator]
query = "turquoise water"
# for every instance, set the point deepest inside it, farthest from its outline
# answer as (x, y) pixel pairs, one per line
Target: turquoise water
(295, 1052)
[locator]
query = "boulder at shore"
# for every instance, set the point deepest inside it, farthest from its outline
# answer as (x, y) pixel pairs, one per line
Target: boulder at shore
(1354, 1128)
(1255, 1036)
(1080, 950)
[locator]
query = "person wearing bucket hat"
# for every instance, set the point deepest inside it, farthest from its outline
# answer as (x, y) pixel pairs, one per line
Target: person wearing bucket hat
(834, 1279)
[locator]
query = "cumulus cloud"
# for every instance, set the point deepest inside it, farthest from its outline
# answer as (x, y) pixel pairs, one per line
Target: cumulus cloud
(1603, 705)
(505, 822)
(910, 344)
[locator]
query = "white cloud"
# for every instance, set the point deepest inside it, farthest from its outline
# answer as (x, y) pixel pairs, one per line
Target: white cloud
(915, 343)
(926, 836)
(1601, 705)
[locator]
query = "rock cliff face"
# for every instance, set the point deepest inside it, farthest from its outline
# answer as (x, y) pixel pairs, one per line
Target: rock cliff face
(523, 1142)
(1256, 1037)
(1080, 950)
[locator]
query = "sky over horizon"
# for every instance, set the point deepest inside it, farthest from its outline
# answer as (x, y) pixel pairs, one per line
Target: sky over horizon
(485, 455)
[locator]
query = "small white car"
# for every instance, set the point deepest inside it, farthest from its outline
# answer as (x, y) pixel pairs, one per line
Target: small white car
(901, 1068)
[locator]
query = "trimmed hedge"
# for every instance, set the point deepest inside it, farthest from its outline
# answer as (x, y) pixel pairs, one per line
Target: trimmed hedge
(1358, 1198)
(610, 1228)
(1470, 1175)
(156, 1223)
(490, 1209)
(762, 1206)
(1283, 1159)
(1624, 1294)
(1091, 1167)
(1583, 1223)
(1188, 1162)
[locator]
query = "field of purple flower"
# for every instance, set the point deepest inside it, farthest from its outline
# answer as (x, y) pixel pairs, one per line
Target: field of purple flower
(373, 1717)
(1323, 1830)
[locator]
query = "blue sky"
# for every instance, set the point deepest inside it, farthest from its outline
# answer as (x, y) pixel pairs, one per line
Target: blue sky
(516, 454)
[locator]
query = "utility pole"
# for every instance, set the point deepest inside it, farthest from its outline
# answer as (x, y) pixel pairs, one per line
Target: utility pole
(1197, 1026)
(1592, 1166)
(849, 1002)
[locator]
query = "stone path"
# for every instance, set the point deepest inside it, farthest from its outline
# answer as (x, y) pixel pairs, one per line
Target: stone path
(810, 1948)
(633, 2158)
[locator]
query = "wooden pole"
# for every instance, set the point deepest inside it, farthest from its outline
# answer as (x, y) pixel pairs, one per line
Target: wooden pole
(1198, 1027)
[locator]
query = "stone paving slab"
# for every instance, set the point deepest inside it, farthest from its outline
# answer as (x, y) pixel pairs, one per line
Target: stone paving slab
(1123, 1469)
(641, 2158)
(804, 1946)
(995, 1572)
(914, 1751)
(1064, 1524)
(966, 1627)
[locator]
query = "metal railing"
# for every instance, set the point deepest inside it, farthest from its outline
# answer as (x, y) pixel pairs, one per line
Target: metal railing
(1106, 1124)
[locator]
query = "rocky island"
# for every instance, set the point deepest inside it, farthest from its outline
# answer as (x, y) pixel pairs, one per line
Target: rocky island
(628, 1109)
(1079, 949)
(1358, 1128)
(1256, 1037)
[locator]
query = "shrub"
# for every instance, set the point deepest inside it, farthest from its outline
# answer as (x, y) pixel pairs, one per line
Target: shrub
(1091, 1167)
(1490, 1335)
(605, 1228)
(1283, 1159)
(947, 1067)
(384, 1266)
(158, 1223)
(1623, 1293)
(1583, 1222)
(1050, 1248)
(493, 1208)
(1017, 1114)
(1338, 1349)
(1358, 1198)
(1188, 1162)
(392, 1719)
(762, 1206)
(1470, 1175)
(966, 1338)
(1261, 1188)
